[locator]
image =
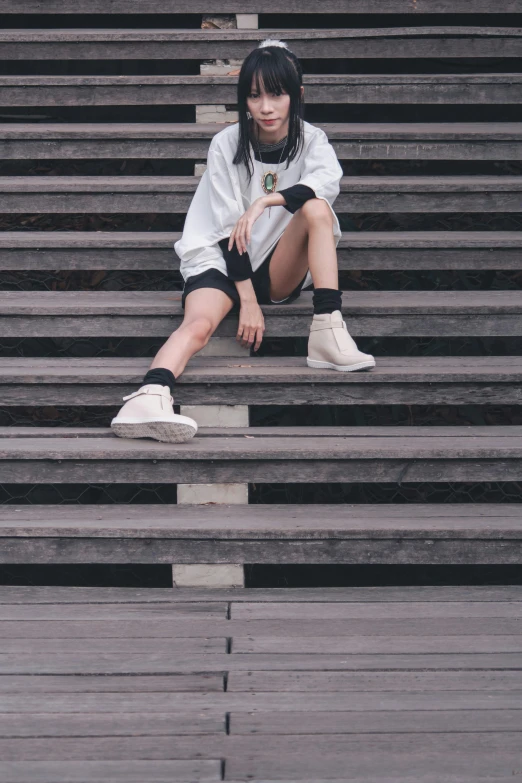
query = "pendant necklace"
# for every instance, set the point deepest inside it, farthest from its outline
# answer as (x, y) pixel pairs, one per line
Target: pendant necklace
(269, 178)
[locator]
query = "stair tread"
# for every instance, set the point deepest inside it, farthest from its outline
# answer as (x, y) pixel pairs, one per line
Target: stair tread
(355, 239)
(259, 521)
(190, 34)
(79, 303)
(253, 370)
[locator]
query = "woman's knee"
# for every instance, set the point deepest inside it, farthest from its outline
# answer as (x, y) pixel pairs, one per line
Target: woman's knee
(317, 210)
(200, 328)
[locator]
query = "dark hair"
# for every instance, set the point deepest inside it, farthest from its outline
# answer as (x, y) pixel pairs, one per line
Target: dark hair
(277, 68)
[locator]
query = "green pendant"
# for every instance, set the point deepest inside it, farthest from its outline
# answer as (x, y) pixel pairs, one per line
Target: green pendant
(269, 182)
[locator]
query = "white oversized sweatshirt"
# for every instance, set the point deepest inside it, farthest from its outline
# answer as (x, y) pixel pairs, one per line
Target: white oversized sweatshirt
(224, 194)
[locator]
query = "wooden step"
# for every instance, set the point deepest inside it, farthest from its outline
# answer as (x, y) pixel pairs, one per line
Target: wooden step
(436, 380)
(175, 44)
(143, 251)
(167, 194)
(413, 533)
(351, 141)
(459, 89)
(158, 313)
(263, 7)
(50, 455)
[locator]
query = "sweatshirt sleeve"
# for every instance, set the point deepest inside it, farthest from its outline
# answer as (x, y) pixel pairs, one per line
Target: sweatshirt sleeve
(238, 265)
(295, 196)
(321, 170)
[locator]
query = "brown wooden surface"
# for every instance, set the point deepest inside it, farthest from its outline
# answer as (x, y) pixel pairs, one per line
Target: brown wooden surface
(267, 6)
(70, 195)
(389, 141)
(356, 250)
(158, 313)
(450, 89)
(414, 42)
(277, 716)
(285, 380)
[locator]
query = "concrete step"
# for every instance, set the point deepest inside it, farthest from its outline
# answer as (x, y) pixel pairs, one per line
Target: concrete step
(158, 313)
(144, 194)
(452, 89)
(351, 141)
(439, 380)
(348, 534)
(53, 455)
(174, 44)
(143, 251)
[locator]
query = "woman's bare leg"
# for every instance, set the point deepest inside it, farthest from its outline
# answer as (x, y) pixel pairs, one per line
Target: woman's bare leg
(306, 243)
(205, 308)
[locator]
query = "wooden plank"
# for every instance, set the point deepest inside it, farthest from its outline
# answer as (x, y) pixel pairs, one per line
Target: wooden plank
(385, 721)
(268, 381)
(350, 645)
(14, 595)
(269, 6)
(126, 771)
(411, 89)
(260, 521)
(399, 42)
(108, 645)
(184, 635)
(111, 612)
(356, 250)
(157, 313)
(192, 683)
(216, 704)
(376, 611)
(295, 454)
(115, 724)
(383, 194)
(121, 664)
(310, 682)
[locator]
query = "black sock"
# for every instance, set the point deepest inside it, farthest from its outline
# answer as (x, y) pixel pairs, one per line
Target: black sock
(162, 376)
(326, 300)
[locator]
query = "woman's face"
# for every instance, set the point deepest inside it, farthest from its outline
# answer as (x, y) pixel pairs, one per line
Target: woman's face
(270, 110)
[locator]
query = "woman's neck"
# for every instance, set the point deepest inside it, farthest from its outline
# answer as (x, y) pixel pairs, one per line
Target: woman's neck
(265, 137)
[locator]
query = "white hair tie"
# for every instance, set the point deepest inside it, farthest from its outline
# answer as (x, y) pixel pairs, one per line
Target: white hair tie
(272, 42)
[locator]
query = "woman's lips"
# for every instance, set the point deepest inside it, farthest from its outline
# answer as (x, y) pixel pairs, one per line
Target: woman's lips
(268, 122)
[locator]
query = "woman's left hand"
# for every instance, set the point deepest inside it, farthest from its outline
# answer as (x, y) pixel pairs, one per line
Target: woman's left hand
(242, 231)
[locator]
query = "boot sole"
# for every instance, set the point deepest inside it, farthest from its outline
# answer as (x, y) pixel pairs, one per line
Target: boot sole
(164, 431)
(339, 367)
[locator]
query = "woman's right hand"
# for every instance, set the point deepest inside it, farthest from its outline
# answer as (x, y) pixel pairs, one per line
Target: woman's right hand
(251, 324)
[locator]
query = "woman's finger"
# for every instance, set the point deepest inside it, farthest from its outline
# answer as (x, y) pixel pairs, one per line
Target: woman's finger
(259, 337)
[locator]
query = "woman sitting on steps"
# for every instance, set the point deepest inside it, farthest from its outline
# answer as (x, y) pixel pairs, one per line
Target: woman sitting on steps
(235, 255)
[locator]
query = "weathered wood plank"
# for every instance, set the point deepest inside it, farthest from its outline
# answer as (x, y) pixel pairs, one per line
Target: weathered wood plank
(108, 645)
(310, 682)
(412, 722)
(401, 42)
(443, 89)
(66, 635)
(14, 595)
(295, 454)
(126, 771)
(447, 380)
(351, 141)
(130, 664)
(269, 6)
(349, 645)
(110, 612)
(356, 250)
(192, 683)
(158, 313)
(116, 724)
(343, 611)
(216, 704)
(113, 195)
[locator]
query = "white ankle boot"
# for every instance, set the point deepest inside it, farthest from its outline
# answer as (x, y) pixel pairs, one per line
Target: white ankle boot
(148, 414)
(330, 345)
